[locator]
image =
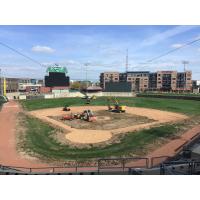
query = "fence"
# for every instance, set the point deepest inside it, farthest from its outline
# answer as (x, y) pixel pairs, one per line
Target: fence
(99, 166)
(155, 161)
(122, 163)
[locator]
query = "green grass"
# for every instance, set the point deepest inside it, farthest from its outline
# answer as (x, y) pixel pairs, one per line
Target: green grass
(39, 140)
(170, 94)
(189, 107)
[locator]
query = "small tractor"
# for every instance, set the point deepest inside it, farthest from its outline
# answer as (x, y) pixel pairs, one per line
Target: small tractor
(88, 99)
(66, 108)
(68, 117)
(116, 107)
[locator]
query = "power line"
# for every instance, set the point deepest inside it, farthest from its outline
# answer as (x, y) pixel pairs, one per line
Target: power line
(16, 51)
(171, 51)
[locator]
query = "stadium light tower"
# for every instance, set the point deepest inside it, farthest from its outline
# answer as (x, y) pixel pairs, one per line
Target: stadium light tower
(86, 73)
(184, 62)
(127, 64)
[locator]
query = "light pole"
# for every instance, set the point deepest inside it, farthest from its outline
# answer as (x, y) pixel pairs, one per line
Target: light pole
(86, 74)
(184, 64)
(185, 81)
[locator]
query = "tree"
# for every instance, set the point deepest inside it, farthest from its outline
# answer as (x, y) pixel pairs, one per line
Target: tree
(76, 85)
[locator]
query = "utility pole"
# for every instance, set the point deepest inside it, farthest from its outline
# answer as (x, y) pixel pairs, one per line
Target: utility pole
(126, 60)
(86, 74)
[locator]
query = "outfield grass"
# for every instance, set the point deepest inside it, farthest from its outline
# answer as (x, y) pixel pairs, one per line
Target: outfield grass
(39, 140)
(171, 94)
(189, 107)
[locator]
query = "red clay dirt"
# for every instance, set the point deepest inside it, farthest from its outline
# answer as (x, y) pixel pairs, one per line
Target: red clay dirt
(8, 153)
(10, 157)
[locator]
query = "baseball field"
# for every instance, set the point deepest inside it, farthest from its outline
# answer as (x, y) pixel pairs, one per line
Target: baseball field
(148, 124)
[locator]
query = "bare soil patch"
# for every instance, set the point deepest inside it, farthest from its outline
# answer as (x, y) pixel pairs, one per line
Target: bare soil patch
(106, 121)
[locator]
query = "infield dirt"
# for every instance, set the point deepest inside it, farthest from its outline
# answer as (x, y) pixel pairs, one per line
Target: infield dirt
(86, 133)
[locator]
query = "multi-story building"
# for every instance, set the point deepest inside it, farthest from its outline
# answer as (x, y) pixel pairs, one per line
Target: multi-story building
(18, 84)
(166, 80)
(184, 81)
(139, 80)
(153, 81)
(144, 80)
(108, 77)
(11, 84)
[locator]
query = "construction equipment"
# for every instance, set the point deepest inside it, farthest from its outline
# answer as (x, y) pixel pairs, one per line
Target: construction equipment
(116, 108)
(86, 115)
(66, 108)
(89, 98)
(68, 117)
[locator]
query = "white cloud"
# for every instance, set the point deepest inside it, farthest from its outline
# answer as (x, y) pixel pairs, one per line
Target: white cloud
(166, 34)
(42, 49)
(176, 45)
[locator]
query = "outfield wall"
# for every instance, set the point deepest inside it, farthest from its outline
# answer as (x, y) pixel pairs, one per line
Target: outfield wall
(116, 94)
(76, 94)
(119, 94)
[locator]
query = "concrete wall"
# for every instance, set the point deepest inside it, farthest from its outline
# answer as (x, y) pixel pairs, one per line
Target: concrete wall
(196, 91)
(60, 91)
(97, 94)
(49, 96)
(61, 95)
(76, 94)
(22, 97)
(12, 94)
(79, 94)
(119, 94)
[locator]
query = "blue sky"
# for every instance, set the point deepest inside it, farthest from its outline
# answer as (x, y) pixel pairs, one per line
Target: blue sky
(104, 47)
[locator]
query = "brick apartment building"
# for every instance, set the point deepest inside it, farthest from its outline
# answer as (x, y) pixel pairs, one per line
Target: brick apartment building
(108, 77)
(11, 84)
(17, 84)
(145, 80)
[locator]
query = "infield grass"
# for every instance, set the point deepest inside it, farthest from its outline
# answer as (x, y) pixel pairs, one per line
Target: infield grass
(39, 140)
